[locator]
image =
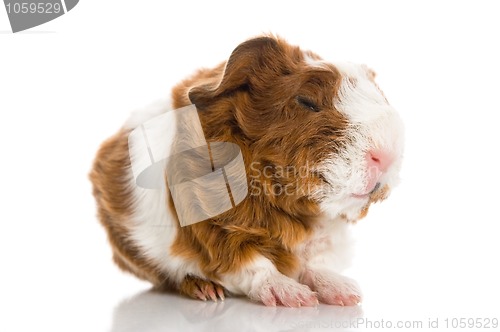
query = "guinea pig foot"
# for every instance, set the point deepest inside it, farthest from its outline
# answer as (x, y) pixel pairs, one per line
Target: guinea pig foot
(284, 291)
(333, 288)
(201, 289)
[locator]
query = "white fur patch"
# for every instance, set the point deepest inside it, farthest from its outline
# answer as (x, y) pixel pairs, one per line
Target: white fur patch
(261, 281)
(144, 114)
(251, 275)
(329, 247)
(315, 63)
(373, 125)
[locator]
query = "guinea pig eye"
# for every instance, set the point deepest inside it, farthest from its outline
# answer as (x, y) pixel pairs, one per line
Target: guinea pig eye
(307, 103)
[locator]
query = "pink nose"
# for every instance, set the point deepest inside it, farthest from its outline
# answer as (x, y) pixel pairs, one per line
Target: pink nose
(379, 159)
(378, 162)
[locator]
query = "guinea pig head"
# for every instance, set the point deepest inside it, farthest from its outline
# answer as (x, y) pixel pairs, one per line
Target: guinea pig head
(317, 137)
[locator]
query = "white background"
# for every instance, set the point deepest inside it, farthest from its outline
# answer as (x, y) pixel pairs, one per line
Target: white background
(430, 251)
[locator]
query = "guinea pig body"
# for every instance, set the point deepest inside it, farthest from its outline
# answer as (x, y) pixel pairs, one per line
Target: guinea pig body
(320, 143)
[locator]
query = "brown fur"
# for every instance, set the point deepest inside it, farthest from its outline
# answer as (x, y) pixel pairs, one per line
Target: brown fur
(375, 197)
(252, 100)
(252, 103)
(113, 194)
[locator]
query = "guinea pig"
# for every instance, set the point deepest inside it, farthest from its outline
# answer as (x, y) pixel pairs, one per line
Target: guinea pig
(320, 143)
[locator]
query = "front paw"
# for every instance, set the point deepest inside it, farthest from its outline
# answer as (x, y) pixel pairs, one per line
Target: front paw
(333, 288)
(281, 290)
(201, 289)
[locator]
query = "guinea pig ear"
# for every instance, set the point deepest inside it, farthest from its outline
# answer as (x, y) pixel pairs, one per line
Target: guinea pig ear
(246, 61)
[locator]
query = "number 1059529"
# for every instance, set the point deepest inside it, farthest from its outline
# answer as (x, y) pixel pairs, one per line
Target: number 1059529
(34, 7)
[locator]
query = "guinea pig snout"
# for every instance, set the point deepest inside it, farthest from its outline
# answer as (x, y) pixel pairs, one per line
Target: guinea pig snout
(378, 162)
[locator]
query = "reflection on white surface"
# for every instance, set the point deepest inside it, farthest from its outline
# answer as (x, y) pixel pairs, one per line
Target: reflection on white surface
(150, 311)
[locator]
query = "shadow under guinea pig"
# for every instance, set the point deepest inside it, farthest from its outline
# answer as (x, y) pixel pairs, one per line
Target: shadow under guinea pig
(151, 311)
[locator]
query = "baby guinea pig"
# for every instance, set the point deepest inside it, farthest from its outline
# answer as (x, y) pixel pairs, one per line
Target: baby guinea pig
(320, 143)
